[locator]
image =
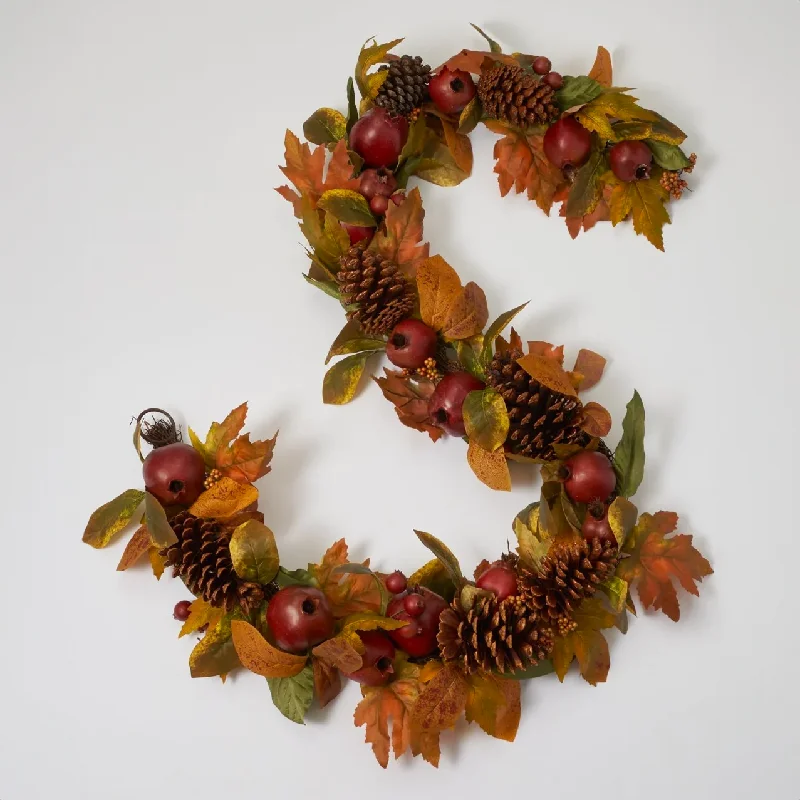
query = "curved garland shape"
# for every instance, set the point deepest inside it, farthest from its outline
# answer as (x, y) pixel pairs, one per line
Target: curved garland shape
(436, 645)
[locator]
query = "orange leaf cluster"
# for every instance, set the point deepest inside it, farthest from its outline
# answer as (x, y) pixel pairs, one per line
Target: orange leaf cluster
(347, 593)
(410, 397)
(400, 237)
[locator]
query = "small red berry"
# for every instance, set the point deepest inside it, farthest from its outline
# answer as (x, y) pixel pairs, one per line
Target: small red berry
(631, 161)
(418, 638)
(567, 143)
(541, 65)
(588, 476)
(411, 343)
(358, 233)
(396, 582)
(377, 182)
(182, 610)
(500, 580)
(398, 198)
(446, 404)
(414, 605)
(451, 90)
(594, 528)
(554, 80)
(379, 204)
(379, 137)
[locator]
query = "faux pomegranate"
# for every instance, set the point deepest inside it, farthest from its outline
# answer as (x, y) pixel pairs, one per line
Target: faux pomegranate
(594, 528)
(451, 90)
(567, 144)
(500, 580)
(376, 668)
(358, 233)
(446, 404)
(411, 343)
(299, 618)
(379, 137)
(588, 476)
(418, 638)
(174, 474)
(631, 161)
(377, 183)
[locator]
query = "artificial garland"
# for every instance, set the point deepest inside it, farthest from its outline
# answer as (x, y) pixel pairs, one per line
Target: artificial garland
(437, 645)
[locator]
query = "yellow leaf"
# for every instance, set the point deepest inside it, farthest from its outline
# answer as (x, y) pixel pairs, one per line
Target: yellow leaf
(597, 115)
(259, 656)
(442, 701)
(368, 85)
(494, 703)
(111, 518)
(649, 212)
(214, 655)
(486, 419)
(137, 546)
(439, 287)
(156, 562)
(201, 614)
(254, 553)
(490, 468)
(620, 202)
(622, 518)
(341, 380)
(468, 314)
(224, 499)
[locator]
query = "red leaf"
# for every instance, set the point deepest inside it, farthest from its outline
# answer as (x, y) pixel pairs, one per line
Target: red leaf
(246, 461)
(596, 420)
(589, 366)
(410, 397)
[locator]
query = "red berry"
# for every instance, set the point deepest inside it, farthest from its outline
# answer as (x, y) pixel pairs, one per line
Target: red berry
(181, 610)
(631, 161)
(554, 80)
(299, 618)
(174, 474)
(410, 344)
(398, 198)
(500, 580)
(541, 65)
(414, 605)
(379, 204)
(445, 405)
(379, 138)
(567, 143)
(588, 476)
(376, 662)
(418, 638)
(396, 582)
(358, 233)
(594, 528)
(374, 182)
(451, 90)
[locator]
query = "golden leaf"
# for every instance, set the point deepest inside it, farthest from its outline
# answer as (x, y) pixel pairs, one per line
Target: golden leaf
(649, 212)
(549, 373)
(347, 593)
(254, 553)
(214, 655)
(161, 533)
(347, 206)
(490, 468)
(111, 518)
(259, 656)
(486, 419)
(622, 519)
(401, 241)
(137, 546)
(221, 433)
(601, 70)
(494, 703)
(442, 700)
(224, 499)
(341, 380)
(246, 461)
(468, 314)
(340, 652)
(597, 115)
(586, 643)
(201, 614)
(439, 286)
(369, 57)
(325, 126)
(156, 562)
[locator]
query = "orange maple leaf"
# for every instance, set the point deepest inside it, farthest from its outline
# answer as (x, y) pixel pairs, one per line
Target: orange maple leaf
(472, 60)
(400, 238)
(655, 560)
(410, 397)
(246, 461)
(601, 213)
(347, 593)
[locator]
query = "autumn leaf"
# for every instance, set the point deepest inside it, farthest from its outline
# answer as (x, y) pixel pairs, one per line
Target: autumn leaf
(221, 434)
(622, 516)
(347, 593)
(161, 533)
(137, 546)
(596, 420)
(589, 366)
(494, 330)
(486, 419)
(472, 60)
(494, 703)
(352, 339)
(325, 126)
(547, 350)
(410, 397)
(214, 654)
(327, 682)
(246, 461)
(400, 238)
(662, 130)
(587, 188)
(293, 695)
(201, 614)
(111, 518)
(598, 114)
(601, 70)
(370, 56)
(533, 541)
(490, 468)
(575, 225)
(254, 553)
(444, 554)
(629, 457)
(442, 701)
(654, 561)
(224, 499)
(259, 656)
(304, 169)
(339, 653)
(347, 206)
(586, 643)
(548, 372)
(341, 381)
(435, 576)
(157, 562)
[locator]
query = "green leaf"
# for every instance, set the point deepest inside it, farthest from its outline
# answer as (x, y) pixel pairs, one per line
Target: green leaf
(495, 329)
(295, 577)
(493, 46)
(352, 339)
(341, 381)
(486, 419)
(468, 357)
(665, 131)
(156, 520)
(352, 109)
(470, 116)
(254, 552)
(616, 590)
(542, 668)
(209, 459)
(629, 456)
(577, 91)
(668, 156)
(347, 206)
(214, 654)
(533, 543)
(587, 189)
(111, 518)
(329, 288)
(444, 554)
(325, 126)
(627, 131)
(293, 696)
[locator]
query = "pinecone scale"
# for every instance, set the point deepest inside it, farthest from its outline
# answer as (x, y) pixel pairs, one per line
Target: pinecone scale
(406, 86)
(509, 93)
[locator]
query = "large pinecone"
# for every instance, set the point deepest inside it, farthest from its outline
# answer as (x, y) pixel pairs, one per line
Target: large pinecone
(570, 573)
(510, 94)
(202, 558)
(539, 417)
(377, 289)
(406, 87)
(507, 636)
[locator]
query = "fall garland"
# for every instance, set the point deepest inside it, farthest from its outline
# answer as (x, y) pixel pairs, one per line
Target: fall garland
(437, 645)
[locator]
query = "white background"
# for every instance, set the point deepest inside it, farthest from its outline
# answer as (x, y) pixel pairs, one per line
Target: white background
(146, 260)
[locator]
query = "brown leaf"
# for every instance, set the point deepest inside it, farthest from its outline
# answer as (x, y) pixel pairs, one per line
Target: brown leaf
(468, 314)
(442, 701)
(439, 287)
(472, 60)
(601, 71)
(590, 366)
(137, 546)
(549, 373)
(459, 145)
(410, 397)
(401, 241)
(224, 499)
(347, 593)
(340, 653)
(547, 350)
(494, 703)
(246, 461)
(596, 420)
(259, 656)
(490, 468)
(327, 682)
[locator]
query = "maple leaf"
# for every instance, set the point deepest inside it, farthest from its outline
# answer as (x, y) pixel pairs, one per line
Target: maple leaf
(655, 560)
(645, 201)
(246, 461)
(494, 703)
(442, 701)
(575, 225)
(400, 238)
(410, 397)
(523, 166)
(586, 643)
(598, 114)
(347, 593)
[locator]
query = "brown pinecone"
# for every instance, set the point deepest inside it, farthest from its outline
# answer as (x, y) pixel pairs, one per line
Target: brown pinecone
(202, 558)
(406, 87)
(510, 94)
(539, 417)
(570, 573)
(507, 636)
(377, 289)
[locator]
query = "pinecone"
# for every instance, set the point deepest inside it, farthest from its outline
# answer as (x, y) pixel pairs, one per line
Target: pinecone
(406, 87)
(507, 636)
(539, 417)
(377, 289)
(570, 573)
(510, 94)
(202, 558)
